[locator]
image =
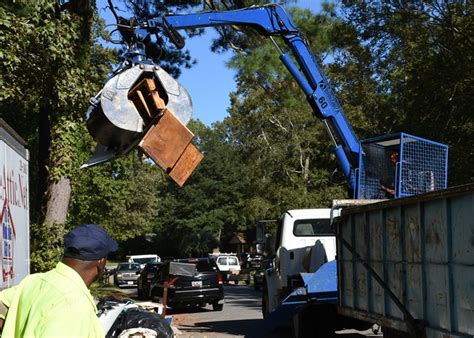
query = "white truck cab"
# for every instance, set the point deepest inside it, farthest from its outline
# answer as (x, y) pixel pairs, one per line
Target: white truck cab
(304, 241)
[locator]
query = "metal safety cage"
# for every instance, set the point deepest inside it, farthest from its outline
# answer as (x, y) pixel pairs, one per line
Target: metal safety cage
(400, 165)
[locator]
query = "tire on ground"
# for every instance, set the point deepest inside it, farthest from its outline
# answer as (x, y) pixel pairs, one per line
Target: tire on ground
(217, 307)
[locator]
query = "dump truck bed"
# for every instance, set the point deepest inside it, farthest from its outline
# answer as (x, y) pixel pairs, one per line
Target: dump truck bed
(422, 250)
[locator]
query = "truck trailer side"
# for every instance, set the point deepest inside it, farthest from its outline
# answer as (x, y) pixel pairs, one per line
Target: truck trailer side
(408, 264)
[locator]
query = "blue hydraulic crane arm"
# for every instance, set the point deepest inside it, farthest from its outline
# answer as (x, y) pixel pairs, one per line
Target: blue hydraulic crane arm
(273, 20)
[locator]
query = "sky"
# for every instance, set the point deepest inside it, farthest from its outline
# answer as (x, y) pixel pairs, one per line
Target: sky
(209, 82)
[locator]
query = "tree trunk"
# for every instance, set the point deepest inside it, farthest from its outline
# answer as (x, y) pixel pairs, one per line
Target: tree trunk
(57, 203)
(59, 192)
(306, 168)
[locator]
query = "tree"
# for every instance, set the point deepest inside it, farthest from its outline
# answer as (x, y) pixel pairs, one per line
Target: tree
(191, 220)
(121, 196)
(47, 79)
(168, 56)
(282, 142)
(421, 57)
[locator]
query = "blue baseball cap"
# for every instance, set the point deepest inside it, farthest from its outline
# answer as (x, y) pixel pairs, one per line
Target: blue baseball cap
(88, 242)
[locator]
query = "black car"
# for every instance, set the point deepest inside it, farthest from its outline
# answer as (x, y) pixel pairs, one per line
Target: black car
(146, 276)
(126, 274)
(193, 281)
(260, 264)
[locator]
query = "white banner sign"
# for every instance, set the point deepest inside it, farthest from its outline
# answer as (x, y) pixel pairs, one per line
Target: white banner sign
(14, 216)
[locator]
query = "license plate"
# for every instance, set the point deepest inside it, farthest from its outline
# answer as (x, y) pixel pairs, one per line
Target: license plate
(196, 283)
(130, 283)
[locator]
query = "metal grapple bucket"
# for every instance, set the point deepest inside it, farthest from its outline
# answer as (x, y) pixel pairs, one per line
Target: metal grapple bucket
(144, 106)
(113, 119)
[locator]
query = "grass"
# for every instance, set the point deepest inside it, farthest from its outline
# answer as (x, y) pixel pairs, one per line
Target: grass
(99, 289)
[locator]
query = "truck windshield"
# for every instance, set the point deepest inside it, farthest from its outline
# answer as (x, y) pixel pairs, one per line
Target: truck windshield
(128, 266)
(312, 227)
(144, 260)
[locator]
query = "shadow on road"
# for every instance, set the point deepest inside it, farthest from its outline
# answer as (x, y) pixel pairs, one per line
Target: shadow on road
(230, 327)
(187, 309)
(240, 295)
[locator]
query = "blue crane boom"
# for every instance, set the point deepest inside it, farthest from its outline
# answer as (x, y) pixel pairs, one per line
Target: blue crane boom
(273, 20)
(388, 166)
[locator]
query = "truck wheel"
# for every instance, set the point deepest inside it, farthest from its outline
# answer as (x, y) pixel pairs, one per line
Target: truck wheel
(265, 306)
(317, 321)
(217, 307)
(391, 333)
(154, 296)
(255, 284)
(139, 293)
(247, 282)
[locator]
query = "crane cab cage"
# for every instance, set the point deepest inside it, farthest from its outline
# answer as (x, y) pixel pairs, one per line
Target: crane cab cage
(398, 165)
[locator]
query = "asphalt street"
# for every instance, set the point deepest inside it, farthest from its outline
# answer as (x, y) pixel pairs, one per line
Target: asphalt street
(240, 317)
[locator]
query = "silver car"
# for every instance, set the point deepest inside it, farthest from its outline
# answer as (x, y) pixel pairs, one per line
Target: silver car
(126, 274)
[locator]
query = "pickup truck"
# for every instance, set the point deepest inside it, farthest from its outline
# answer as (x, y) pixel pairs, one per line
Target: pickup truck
(298, 231)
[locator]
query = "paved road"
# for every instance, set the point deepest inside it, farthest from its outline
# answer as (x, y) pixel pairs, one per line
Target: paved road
(240, 316)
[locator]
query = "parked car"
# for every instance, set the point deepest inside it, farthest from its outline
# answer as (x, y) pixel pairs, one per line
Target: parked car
(126, 274)
(228, 263)
(202, 286)
(231, 269)
(260, 263)
(255, 261)
(145, 278)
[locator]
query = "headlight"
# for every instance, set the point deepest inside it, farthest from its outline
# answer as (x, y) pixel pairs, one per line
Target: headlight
(119, 275)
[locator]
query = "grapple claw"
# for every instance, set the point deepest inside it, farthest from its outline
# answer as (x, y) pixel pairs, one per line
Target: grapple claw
(144, 106)
(113, 119)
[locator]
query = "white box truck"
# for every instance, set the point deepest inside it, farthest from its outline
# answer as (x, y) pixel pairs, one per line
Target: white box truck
(14, 204)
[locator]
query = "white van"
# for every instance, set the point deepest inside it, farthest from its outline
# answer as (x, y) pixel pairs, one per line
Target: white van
(228, 263)
(143, 259)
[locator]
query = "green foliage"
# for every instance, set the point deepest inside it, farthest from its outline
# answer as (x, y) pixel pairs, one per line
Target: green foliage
(421, 57)
(286, 150)
(120, 196)
(394, 66)
(191, 220)
(46, 246)
(169, 57)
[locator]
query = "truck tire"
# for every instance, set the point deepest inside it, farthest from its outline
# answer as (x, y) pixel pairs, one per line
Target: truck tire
(318, 321)
(217, 307)
(391, 333)
(139, 293)
(265, 306)
(155, 296)
(255, 284)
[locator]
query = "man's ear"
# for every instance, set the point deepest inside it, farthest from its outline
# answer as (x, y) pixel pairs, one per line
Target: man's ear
(101, 262)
